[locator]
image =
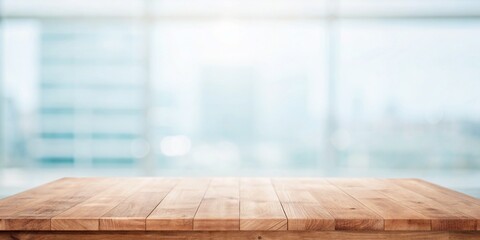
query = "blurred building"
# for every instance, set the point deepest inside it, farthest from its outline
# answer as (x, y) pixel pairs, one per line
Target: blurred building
(279, 87)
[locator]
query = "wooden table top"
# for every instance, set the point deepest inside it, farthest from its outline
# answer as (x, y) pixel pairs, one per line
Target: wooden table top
(231, 204)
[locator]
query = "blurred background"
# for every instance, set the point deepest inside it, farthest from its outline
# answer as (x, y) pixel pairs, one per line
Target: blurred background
(339, 88)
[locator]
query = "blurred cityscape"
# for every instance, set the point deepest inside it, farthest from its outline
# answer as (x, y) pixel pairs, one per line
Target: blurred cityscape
(287, 89)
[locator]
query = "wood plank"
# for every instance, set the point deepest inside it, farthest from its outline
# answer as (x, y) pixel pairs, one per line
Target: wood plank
(34, 196)
(454, 200)
(349, 213)
(18, 202)
(178, 208)
(86, 215)
(397, 217)
(308, 217)
(64, 194)
(247, 204)
(9, 204)
(241, 235)
(443, 218)
(220, 207)
(448, 191)
(131, 214)
(260, 208)
(159, 185)
(452, 193)
(303, 211)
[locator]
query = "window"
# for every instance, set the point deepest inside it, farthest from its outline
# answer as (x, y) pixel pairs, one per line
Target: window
(244, 94)
(407, 94)
(230, 87)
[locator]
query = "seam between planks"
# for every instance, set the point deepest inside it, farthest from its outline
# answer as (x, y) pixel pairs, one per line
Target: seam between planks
(35, 188)
(45, 185)
(374, 212)
(101, 189)
(153, 209)
(425, 195)
(239, 202)
(199, 204)
(126, 197)
(278, 198)
(98, 222)
(330, 182)
(465, 197)
(431, 224)
(391, 199)
(436, 201)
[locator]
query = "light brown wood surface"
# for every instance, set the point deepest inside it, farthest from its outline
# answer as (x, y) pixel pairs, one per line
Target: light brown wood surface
(219, 209)
(243, 235)
(177, 210)
(236, 205)
(260, 208)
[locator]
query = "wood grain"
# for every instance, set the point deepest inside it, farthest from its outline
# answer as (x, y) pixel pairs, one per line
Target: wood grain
(260, 208)
(131, 214)
(178, 208)
(397, 216)
(242, 235)
(219, 209)
(468, 206)
(40, 206)
(10, 206)
(348, 212)
(443, 217)
(303, 211)
(240, 207)
(86, 215)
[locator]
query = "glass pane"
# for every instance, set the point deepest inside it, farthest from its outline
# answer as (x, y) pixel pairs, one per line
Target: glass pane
(239, 87)
(74, 93)
(239, 94)
(408, 95)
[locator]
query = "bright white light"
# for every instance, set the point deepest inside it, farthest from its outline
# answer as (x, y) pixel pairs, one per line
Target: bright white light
(175, 145)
